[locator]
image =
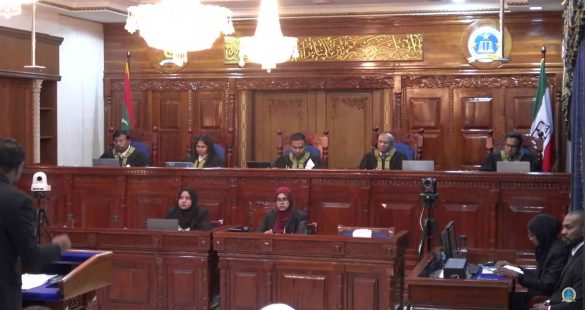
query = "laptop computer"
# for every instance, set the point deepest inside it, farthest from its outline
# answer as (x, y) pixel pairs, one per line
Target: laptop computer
(162, 224)
(418, 165)
(179, 164)
(258, 164)
(513, 166)
(105, 162)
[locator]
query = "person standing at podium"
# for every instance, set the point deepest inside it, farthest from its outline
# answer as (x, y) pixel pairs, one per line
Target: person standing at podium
(551, 255)
(284, 219)
(190, 216)
(19, 250)
(385, 156)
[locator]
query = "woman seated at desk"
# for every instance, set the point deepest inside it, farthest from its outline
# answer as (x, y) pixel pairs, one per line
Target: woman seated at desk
(205, 155)
(190, 216)
(551, 256)
(284, 219)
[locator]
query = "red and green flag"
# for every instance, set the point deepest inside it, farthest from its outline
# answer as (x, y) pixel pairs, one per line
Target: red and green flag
(127, 107)
(542, 120)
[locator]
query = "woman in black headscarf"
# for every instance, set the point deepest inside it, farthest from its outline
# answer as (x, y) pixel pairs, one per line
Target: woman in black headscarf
(551, 256)
(189, 215)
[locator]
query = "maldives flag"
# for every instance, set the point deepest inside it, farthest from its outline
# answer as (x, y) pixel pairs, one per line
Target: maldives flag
(127, 108)
(542, 120)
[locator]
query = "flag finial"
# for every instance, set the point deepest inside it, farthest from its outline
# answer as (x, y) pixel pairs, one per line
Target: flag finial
(542, 51)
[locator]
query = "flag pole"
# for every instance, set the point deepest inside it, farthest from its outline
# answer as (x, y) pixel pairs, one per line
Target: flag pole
(543, 52)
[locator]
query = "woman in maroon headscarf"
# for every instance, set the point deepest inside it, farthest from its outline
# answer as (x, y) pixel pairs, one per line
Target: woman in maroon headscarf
(284, 219)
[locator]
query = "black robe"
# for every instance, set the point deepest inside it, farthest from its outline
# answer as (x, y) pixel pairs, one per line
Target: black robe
(369, 161)
(199, 222)
(285, 162)
(215, 161)
(136, 159)
(490, 163)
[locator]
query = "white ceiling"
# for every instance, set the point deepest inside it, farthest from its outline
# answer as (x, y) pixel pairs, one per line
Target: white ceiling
(114, 11)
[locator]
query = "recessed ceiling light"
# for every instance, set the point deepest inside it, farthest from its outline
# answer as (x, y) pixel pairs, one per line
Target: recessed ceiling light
(458, 1)
(322, 1)
(535, 8)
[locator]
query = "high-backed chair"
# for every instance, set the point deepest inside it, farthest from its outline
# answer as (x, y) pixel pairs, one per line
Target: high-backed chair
(406, 142)
(529, 144)
(222, 142)
(317, 145)
(142, 140)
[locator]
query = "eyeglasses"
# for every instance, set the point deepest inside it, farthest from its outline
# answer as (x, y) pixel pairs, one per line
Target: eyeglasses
(281, 199)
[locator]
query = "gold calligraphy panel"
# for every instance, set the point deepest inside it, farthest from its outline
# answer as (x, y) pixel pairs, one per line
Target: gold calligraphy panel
(381, 47)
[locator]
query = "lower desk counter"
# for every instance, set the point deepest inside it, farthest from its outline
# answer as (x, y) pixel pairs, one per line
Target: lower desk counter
(434, 293)
(153, 269)
(310, 271)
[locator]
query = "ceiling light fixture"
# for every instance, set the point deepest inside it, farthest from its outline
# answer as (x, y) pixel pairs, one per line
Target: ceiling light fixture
(268, 46)
(179, 26)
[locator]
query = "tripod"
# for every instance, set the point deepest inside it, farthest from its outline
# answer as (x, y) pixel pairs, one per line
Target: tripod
(41, 220)
(429, 227)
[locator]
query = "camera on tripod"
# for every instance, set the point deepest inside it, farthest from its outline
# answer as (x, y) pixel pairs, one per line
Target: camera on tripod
(39, 185)
(429, 191)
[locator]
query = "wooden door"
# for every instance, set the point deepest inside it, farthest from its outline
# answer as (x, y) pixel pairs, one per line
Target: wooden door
(348, 115)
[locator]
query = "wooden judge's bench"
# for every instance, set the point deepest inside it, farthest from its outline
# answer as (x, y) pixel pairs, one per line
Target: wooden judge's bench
(492, 209)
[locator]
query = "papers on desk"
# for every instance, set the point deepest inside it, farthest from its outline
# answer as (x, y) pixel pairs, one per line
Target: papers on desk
(35, 280)
(514, 268)
(310, 165)
(362, 233)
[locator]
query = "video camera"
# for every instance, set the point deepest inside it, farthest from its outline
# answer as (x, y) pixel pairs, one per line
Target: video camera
(39, 185)
(428, 190)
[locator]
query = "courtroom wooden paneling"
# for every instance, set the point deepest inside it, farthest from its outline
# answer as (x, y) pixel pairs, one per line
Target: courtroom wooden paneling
(310, 271)
(455, 103)
(16, 91)
(491, 208)
(153, 269)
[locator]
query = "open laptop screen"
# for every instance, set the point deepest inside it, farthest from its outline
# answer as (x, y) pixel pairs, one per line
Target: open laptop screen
(418, 165)
(513, 166)
(162, 224)
(105, 162)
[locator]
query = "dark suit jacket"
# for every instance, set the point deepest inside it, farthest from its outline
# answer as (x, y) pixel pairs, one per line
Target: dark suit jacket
(295, 225)
(136, 159)
(200, 222)
(284, 161)
(490, 163)
(572, 276)
(17, 242)
(543, 280)
(369, 161)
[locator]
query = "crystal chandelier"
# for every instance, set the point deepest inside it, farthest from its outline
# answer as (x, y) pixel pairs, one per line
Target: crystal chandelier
(10, 8)
(268, 46)
(179, 26)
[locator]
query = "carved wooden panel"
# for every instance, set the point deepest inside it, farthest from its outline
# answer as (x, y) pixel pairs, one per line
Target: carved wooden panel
(275, 110)
(475, 112)
(186, 283)
(310, 286)
(134, 284)
(246, 285)
(429, 109)
(336, 202)
(210, 109)
(92, 207)
(519, 106)
(349, 121)
(150, 198)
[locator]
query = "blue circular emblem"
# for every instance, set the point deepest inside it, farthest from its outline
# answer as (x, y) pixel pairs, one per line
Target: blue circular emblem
(569, 294)
(484, 44)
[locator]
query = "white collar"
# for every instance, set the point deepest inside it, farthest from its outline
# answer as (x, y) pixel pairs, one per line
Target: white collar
(202, 157)
(576, 248)
(126, 151)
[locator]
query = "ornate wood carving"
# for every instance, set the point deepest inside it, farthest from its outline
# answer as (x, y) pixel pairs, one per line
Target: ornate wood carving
(472, 81)
(171, 85)
(354, 82)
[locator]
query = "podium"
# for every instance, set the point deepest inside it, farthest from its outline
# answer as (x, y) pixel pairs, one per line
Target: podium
(80, 275)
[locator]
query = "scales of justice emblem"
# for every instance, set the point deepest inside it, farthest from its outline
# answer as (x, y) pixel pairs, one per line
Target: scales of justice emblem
(484, 44)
